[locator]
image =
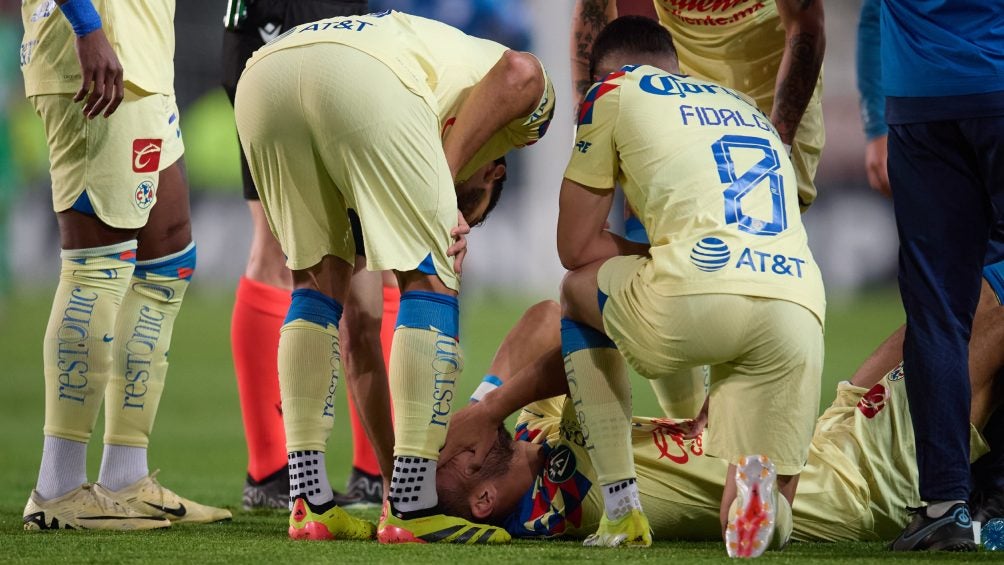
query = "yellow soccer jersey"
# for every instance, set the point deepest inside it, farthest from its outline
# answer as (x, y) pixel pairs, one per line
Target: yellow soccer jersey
(738, 43)
(709, 179)
(142, 34)
(435, 61)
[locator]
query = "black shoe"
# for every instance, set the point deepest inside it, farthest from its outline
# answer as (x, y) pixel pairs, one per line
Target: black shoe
(270, 492)
(367, 488)
(987, 504)
(951, 532)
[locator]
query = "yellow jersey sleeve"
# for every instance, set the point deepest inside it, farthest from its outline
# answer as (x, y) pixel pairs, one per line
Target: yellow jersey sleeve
(594, 161)
(141, 33)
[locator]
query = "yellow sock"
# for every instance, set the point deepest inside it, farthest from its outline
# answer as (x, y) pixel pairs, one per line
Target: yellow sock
(142, 340)
(309, 358)
(601, 392)
(425, 363)
(77, 350)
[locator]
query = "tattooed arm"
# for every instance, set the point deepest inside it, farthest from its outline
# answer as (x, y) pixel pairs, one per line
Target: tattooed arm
(805, 42)
(588, 18)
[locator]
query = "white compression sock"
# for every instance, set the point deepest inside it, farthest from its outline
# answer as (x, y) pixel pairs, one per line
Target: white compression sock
(308, 477)
(64, 467)
(620, 498)
(121, 466)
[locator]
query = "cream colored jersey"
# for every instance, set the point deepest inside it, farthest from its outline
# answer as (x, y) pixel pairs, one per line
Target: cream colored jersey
(860, 476)
(738, 43)
(140, 32)
(435, 61)
(708, 177)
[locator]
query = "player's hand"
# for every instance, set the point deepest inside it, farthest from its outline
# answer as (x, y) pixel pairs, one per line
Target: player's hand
(876, 164)
(696, 426)
(101, 75)
(472, 429)
(459, 248)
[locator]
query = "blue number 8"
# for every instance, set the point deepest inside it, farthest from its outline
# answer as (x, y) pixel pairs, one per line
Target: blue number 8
(767, 169)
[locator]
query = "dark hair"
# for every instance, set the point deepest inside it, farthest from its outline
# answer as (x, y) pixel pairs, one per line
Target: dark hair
(631, 34)
(453, 497)
(493, 199)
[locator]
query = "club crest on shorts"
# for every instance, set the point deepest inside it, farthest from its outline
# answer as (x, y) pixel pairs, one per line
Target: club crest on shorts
(145, 194)
(873, 401)
(146, 155)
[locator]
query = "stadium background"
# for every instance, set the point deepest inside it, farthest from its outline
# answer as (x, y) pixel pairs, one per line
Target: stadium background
(513, 263)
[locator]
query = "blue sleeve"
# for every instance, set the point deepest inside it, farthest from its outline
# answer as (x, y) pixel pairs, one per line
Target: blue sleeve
(869, 63)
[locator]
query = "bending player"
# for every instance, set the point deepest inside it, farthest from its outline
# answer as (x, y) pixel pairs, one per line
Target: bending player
(729, 258)
(263, 295)
(127, 256)
(319, 145)
(859, 479)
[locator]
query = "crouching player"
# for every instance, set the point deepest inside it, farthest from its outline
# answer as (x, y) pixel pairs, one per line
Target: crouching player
(381, 114)
(728, 281)
(857, 485)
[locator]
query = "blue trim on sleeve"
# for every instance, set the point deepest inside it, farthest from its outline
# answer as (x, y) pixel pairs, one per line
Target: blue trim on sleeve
(601, 299)
(430, 310)
(82, 16)
(83, 204)
(869, 67)
(427, 266)
(576, 336)
(313, 306)
(994, 274)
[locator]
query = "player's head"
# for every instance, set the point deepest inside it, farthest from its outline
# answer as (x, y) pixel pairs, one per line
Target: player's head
(478, 195)
(632, 40)
(476, 496)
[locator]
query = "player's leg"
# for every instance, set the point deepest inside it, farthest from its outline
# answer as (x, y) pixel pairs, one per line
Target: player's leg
(307, 213)
(366, 384)
(166, 260)
(943, 238)
(599, 386)
(763, 406)
(97, 263)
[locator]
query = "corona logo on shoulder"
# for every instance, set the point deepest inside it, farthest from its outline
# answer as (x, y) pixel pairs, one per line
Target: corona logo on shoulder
(146, 155)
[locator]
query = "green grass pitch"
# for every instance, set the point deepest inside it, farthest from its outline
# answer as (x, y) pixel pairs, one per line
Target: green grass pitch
(198, 445)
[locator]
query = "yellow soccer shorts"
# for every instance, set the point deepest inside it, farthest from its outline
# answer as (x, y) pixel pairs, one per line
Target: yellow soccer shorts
(116, 160)
(766, 358)
(327, 128)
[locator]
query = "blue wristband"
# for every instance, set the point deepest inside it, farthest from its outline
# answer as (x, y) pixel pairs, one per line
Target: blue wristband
(488, 384)
(82, 16)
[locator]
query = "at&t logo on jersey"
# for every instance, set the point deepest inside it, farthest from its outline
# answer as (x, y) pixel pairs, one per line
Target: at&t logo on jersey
(145, 194)
(146, 155)
(710, 254)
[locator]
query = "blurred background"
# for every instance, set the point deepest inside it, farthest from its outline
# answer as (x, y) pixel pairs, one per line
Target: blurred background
(512, 264)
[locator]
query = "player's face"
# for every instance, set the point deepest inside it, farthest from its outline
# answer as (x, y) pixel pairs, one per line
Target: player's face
(475, 193)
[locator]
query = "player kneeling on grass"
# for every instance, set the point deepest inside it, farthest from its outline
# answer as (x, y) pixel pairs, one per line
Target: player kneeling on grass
(858, 483)
(381, 114)
(728, 281)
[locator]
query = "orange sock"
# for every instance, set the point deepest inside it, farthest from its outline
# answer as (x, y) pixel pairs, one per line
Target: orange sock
(363, 457)
(254, 338)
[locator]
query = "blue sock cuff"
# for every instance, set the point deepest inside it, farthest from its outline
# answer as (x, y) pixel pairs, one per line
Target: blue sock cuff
(180, 265)
(424, 310)
(313, 306)
(576, 336)
(994, 274)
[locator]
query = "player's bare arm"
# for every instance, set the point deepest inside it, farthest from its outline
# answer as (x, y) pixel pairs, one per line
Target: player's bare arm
(530, 367)
(805, 43)
(582, 220)
(588, 18)
(100, 70)
(511, 89)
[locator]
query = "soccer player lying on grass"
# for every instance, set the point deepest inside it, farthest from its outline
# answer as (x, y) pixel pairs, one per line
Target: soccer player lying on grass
(859, 480)
(403, 120)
